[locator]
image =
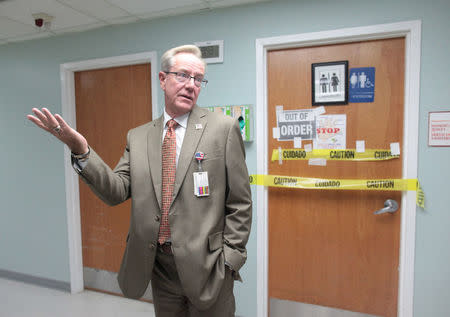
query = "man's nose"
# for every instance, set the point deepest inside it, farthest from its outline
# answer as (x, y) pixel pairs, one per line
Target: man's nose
(190, 83)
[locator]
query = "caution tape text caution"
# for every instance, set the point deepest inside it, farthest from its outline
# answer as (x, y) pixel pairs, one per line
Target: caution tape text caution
(341, 184)
(333, 155)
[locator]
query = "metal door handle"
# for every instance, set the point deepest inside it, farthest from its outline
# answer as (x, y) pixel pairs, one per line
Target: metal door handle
(390, 205)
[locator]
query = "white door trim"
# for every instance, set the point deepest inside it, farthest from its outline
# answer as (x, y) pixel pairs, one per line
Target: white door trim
(68, 112)
(411, 31)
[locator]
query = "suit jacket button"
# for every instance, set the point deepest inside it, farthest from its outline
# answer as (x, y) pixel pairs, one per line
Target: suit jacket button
(152, 245)
(156, 218)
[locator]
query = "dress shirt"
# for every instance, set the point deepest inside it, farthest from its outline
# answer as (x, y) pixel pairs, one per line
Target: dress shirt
(180, 131)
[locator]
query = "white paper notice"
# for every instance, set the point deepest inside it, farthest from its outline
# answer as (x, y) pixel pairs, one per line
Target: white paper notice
(279, 113)
(360, 146)
(279, 108)
(331, 132)
(439, 128)
(395, 148)
(319, 110)
(280, 156)
(308, 147)
(317, 162)
(276, 133)
(297, 143)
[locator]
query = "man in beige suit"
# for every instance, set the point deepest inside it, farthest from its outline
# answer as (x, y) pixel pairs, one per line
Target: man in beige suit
(193, 252)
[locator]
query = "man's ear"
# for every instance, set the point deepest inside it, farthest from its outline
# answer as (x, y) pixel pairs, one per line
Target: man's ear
(162, 80)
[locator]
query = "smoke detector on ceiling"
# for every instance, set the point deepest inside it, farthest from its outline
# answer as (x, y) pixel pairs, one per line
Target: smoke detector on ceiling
(42, 21)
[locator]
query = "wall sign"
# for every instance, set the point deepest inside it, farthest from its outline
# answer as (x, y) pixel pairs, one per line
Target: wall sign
(362, 84)
(329, 83)
(296, 124)
(439, 128)
(212, 51)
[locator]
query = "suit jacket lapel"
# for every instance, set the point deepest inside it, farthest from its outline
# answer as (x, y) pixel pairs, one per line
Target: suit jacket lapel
(154, 155)
(195, 127)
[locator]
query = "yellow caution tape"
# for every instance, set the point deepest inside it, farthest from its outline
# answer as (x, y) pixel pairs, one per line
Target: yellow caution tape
(420, 196)
(334, 155)
(339, 184)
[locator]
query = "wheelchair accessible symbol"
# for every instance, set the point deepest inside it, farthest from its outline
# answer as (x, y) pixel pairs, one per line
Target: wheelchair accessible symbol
(362, 84)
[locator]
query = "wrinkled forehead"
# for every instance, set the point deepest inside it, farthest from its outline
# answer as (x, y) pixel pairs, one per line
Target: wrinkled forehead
(189, 63)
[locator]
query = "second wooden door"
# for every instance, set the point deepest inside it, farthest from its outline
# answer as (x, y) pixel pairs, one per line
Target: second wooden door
(109, 102)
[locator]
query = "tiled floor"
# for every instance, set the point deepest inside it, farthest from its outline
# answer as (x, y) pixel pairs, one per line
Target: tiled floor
(19, 299)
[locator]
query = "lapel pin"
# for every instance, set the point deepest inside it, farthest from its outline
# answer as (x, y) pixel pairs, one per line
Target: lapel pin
(198, 126)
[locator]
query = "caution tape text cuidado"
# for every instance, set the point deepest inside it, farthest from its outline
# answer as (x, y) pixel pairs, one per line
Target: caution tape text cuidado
(341, 184)
(334, 155)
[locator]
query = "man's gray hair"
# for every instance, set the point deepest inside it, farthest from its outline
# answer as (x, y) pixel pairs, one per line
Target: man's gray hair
(167, 60)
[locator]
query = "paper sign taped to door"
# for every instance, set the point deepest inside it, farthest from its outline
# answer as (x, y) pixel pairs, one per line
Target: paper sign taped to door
(296, 123)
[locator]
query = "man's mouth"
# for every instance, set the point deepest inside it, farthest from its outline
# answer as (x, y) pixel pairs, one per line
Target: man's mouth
(187, 97)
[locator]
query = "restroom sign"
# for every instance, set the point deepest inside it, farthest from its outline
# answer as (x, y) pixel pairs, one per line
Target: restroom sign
(362, 84)
(296, 123)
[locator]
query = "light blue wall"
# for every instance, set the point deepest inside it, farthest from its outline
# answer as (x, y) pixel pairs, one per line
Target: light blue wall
(33, 229)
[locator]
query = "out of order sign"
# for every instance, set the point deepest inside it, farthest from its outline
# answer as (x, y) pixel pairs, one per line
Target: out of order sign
(296, 123)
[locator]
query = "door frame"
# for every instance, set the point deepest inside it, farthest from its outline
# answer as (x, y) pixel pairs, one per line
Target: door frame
(67, 75)
(411, 31)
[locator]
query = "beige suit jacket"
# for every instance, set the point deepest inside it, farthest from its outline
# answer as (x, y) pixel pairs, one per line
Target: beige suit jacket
(205, 231)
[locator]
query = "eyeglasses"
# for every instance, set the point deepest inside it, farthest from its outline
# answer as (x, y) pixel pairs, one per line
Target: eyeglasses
(199, 81)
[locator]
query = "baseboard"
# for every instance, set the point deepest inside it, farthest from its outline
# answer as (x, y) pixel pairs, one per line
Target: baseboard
(107, 281)
(39, 281)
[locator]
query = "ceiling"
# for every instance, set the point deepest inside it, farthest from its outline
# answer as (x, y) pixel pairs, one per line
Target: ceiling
(18, 24)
